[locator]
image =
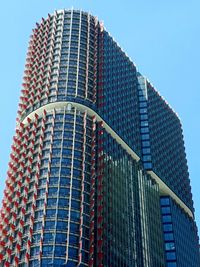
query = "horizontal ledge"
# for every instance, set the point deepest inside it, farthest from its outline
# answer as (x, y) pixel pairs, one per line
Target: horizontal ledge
(91, 112)
(164, 189)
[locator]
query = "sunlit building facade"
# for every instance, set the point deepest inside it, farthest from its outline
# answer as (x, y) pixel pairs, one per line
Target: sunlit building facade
(98, 172)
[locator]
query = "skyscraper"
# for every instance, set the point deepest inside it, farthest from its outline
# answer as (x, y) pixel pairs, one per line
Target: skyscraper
(98, 172)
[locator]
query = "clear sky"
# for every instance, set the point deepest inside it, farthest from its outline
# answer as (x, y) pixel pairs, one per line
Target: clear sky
(162, 37)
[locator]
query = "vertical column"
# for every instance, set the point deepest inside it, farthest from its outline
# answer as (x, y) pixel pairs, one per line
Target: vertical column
(100, 172)
(71, 180)
(46, 188)
(95, 59)
(35, 193)
(101, 62)
(70, 37)
(87, 57)
(92, 192)
(82, 190)
(144, 124)
(78, 58)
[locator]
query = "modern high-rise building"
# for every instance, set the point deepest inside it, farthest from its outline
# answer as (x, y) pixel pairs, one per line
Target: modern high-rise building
(98, 173)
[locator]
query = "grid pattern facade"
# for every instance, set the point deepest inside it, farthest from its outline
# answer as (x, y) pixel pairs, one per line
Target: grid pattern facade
(132, 236)
(117, 92)
(79, 191)
(180, 235)
(167, 146)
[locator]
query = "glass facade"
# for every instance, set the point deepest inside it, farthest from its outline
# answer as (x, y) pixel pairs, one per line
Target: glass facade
(97, 174)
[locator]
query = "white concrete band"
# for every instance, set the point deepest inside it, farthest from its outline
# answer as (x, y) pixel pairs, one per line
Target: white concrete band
(164, 189)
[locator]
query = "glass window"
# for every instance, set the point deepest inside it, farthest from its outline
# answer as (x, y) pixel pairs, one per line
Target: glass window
(85, 256)
(145, 136)
(167, 218)
(143, 104)
(73, 240)
(64, 192)
(60, 251)
(50, 213)
(171, 255)
(73, 253)
(164, 201)
(169, 246)
(76, 194)
(35, 251)
(51, 202)
(48, 237)
(167, 227)
(75, 216)
(61, 225)
(143, 110)
(146, 158)
(146, 150)
(144, 123)
(145, 143)
(74, 228)
(49, 225)
(147, 165)
(76, 183)
(169, 237)
(63, 202)
(165, 210)
(61, 238)
(75, 204)
(47, 250)
(62, 214)
(53, 180)
(53, 191)
(145, 130)
(143, 117)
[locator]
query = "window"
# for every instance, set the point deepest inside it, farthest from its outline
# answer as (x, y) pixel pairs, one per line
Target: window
(147, 158)
(145, 136)
(73, 240)
(167, 218)
(61, 225)
(167, 227)
(146, 150)
(75, 216)
(169, 246)
(75, 204)
(48, 237)
(53, 180)
(165, 210)
(63, 202)
(61, 238)
(53, 191)
(47, 250)
(147, 165)
(169, 237)
(145, 130)
(74, 228)
(145, 143)
(50, 213)
(35, 251)
(60, 251)
(63, 214)
(164, 201)
(49, 225)
(73, 253)
(51, 202)
(171, 255)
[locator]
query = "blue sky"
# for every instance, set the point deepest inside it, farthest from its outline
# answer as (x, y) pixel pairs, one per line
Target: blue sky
(161, 37)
